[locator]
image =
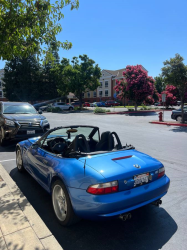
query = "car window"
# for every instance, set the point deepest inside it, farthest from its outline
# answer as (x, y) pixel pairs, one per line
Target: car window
(19, 109)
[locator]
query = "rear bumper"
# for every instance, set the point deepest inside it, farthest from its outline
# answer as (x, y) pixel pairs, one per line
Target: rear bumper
(107, 206)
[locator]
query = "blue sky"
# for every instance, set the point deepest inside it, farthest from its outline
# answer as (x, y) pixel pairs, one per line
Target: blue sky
(117, 33)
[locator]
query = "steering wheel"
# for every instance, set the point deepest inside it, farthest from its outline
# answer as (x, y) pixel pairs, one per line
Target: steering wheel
(56, 140)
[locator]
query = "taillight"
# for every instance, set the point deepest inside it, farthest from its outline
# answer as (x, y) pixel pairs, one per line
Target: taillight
(161, 172)
(103, 188)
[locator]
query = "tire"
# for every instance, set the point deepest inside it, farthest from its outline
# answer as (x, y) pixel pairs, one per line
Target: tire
(62, 205)
(19, 160)
(179, 118)
(2, 140)
(70, 109)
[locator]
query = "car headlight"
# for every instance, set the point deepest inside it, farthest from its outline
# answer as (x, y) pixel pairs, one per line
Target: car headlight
(45, 122)
(9, 122)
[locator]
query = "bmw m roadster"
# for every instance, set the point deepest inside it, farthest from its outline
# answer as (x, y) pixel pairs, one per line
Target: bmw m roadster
(91, 176)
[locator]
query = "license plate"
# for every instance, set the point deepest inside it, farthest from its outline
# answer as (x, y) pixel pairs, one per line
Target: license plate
(30, 132)
(140, 179)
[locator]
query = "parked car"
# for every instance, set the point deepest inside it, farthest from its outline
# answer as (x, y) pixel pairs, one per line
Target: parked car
(86, 104)
(111, 103)
(177, 114)
(158, 104)
(89, 176)
(20, 120)
(75, 104)
(100, 104)
(63, 106)
(94, 104)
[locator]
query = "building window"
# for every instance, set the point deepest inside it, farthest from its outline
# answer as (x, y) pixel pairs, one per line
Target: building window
(106, 84)
(83, 95)
(100, 93)
(101, 85)
(106, 92)
(95, 94)
(1, 93)
(88, 94)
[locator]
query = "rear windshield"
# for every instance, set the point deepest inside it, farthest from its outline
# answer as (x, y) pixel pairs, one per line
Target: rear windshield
(19, 109)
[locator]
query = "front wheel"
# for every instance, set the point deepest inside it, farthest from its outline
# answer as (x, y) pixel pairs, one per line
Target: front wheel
(179, 118)
(2, 140)
(19, 160)
(62, 204)
(70, 109)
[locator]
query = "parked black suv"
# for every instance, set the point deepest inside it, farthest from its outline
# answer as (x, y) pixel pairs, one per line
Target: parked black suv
(20, 120)
(177, 114)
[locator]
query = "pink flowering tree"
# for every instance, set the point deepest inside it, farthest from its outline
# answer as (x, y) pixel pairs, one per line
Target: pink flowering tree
(136, 85)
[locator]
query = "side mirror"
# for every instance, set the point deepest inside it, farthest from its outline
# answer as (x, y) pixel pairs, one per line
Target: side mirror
(34, 146)
(40, 112)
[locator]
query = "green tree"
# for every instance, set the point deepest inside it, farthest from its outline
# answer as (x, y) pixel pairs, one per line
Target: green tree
(26, 26)
(23, 80)
(175, 73)
(159, 84)
(49, 72)
(80, 76)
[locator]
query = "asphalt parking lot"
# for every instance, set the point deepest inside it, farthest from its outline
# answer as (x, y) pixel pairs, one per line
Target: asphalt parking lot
(150, 227)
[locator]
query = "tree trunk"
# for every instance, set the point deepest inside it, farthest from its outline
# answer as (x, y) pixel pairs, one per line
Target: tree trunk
(80, 100)
(136, 106)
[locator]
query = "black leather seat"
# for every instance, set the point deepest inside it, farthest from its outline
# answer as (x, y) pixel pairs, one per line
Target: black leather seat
(80, 144)
(105, 143)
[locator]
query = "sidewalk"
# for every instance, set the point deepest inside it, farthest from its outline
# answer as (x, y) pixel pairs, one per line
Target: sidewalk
(21, 228)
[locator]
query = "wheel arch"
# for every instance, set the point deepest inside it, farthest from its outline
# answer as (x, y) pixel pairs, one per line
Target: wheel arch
(56, 178)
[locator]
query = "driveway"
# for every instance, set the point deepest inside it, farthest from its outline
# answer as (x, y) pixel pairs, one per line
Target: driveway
(150, 227)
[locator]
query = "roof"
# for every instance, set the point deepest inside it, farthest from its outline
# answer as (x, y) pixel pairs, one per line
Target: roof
(118, 72)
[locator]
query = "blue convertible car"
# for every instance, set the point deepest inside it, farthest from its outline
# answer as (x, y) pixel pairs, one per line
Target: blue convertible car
(91, 176)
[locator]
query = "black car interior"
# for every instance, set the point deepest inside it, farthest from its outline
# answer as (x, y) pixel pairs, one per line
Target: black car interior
(65, 146)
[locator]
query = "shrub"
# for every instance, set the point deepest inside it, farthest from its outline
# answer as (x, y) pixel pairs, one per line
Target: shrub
(130, 109)
(56, 110)
(99, 110)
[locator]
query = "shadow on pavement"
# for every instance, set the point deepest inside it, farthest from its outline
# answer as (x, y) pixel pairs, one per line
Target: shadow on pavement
(150, 227)
(143, 114)
(10, 147)
(179, 129)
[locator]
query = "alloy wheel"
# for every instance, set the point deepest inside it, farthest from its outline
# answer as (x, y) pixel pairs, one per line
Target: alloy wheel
(59, 202)
(19, 159)
(179, 118)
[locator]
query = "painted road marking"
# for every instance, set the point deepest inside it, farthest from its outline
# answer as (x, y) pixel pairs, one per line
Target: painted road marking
(8, 160)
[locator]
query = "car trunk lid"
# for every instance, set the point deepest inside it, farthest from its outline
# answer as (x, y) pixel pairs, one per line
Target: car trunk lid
(123, 166)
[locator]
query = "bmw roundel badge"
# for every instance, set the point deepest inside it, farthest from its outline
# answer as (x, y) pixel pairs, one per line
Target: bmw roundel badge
(136, 166)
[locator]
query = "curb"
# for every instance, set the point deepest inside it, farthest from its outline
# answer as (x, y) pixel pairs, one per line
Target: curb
(170, 124)
(43, 238)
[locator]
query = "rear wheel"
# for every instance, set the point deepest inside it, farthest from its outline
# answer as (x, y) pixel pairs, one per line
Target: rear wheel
(19, 161)
(2, 140)
(179, 118)
(62, 205)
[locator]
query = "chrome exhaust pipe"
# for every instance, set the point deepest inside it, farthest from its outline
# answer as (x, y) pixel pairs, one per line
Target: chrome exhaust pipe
(125, 217)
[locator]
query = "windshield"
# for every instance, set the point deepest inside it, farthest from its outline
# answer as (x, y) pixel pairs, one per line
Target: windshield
(19, 109)
(71, 133)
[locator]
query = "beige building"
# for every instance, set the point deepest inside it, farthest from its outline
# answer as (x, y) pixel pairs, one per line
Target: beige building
(106, 89)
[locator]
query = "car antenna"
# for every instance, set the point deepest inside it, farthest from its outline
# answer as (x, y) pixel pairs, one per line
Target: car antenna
(84, 166)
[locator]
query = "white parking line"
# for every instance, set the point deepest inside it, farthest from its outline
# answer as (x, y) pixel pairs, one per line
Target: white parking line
(8, 160)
